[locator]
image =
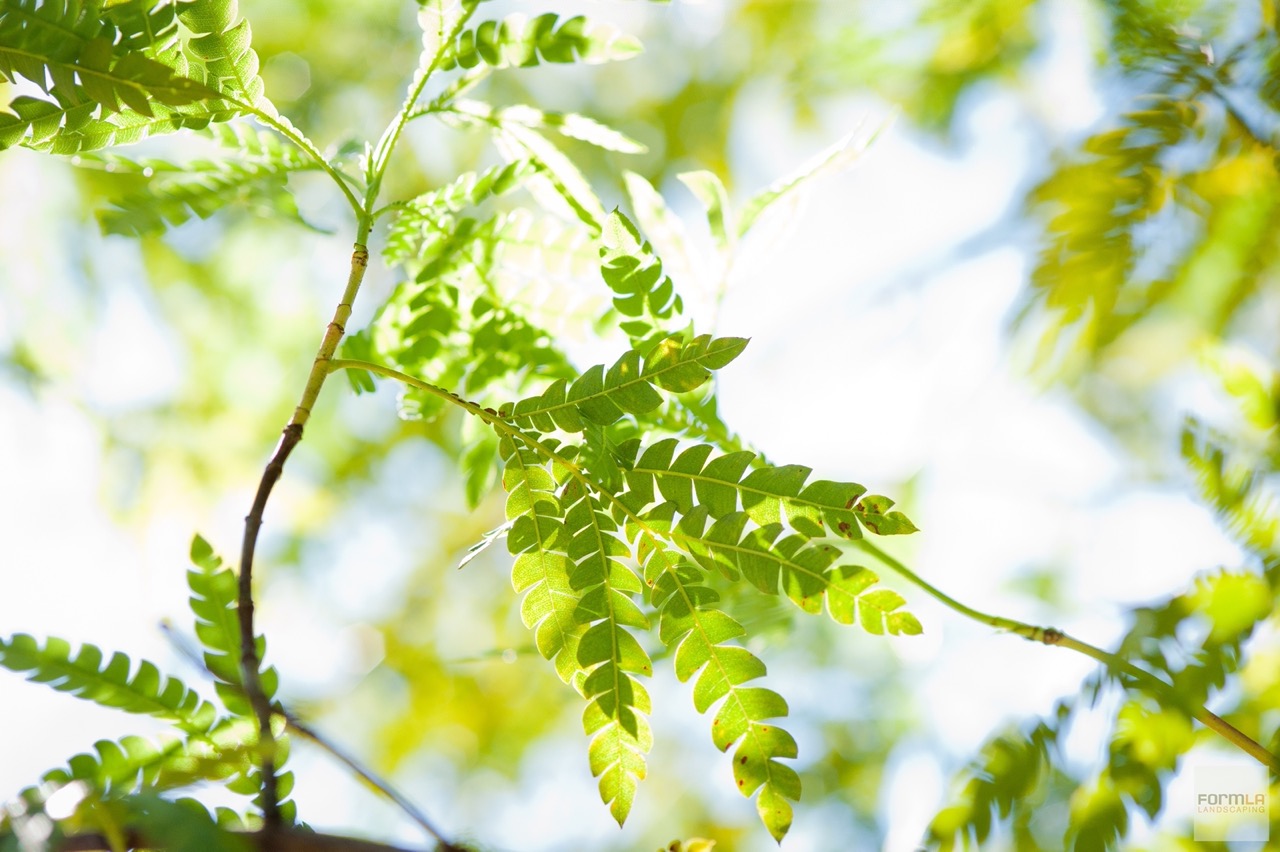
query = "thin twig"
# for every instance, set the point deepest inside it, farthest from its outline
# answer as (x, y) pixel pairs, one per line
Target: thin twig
(368, 776)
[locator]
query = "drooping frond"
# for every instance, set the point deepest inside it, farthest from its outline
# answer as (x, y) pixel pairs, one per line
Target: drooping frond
(253, 172)
(629, 386)
(541, 571)
(806, 570)
(579, 603)
(615, 715)
(698, 632)
(111, 683)
(424, 227)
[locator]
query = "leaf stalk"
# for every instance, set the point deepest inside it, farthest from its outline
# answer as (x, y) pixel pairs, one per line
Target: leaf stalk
(1052, 636)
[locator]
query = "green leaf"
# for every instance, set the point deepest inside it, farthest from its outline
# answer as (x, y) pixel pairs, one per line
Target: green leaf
(117, 76)
(181, 824)
(519, 41)
(697, 631)
(214, 603)
(37, 123)
(560, 187)
(128, 127)
(423, 226)
(767, 494)
(709, 190)
(664, 228)
(627, 387)
(222, 53)
(806, 571)
(252, 172)
(568, 124)
(110, 683)
(634, 273)
(1006, 771)
(86, 60)
(839, 156)
(614, 715)
(441, 22)
(541, 571)
(226, 751)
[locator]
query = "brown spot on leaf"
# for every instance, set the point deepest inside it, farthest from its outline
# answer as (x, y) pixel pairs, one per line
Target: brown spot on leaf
(743, 760)
(741, 783)
(843, 526)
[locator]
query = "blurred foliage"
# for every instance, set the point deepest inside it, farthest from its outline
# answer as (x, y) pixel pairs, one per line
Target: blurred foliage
(1156, 266)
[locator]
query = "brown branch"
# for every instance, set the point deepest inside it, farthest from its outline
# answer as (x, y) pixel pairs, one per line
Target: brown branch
(250, 663)
(277, 840)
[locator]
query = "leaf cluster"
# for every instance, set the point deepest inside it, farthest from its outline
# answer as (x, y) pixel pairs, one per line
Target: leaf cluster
(119, 784)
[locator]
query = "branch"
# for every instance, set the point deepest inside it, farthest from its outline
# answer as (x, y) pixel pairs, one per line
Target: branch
(267, 840)
(249, 661)
(1052, 636)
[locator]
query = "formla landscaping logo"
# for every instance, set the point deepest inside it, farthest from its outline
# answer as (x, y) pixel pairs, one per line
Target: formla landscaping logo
(1231, 803)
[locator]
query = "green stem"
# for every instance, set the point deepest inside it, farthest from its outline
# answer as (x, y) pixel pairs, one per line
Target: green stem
(288, 131)
(1052, 636)
(391, 136)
